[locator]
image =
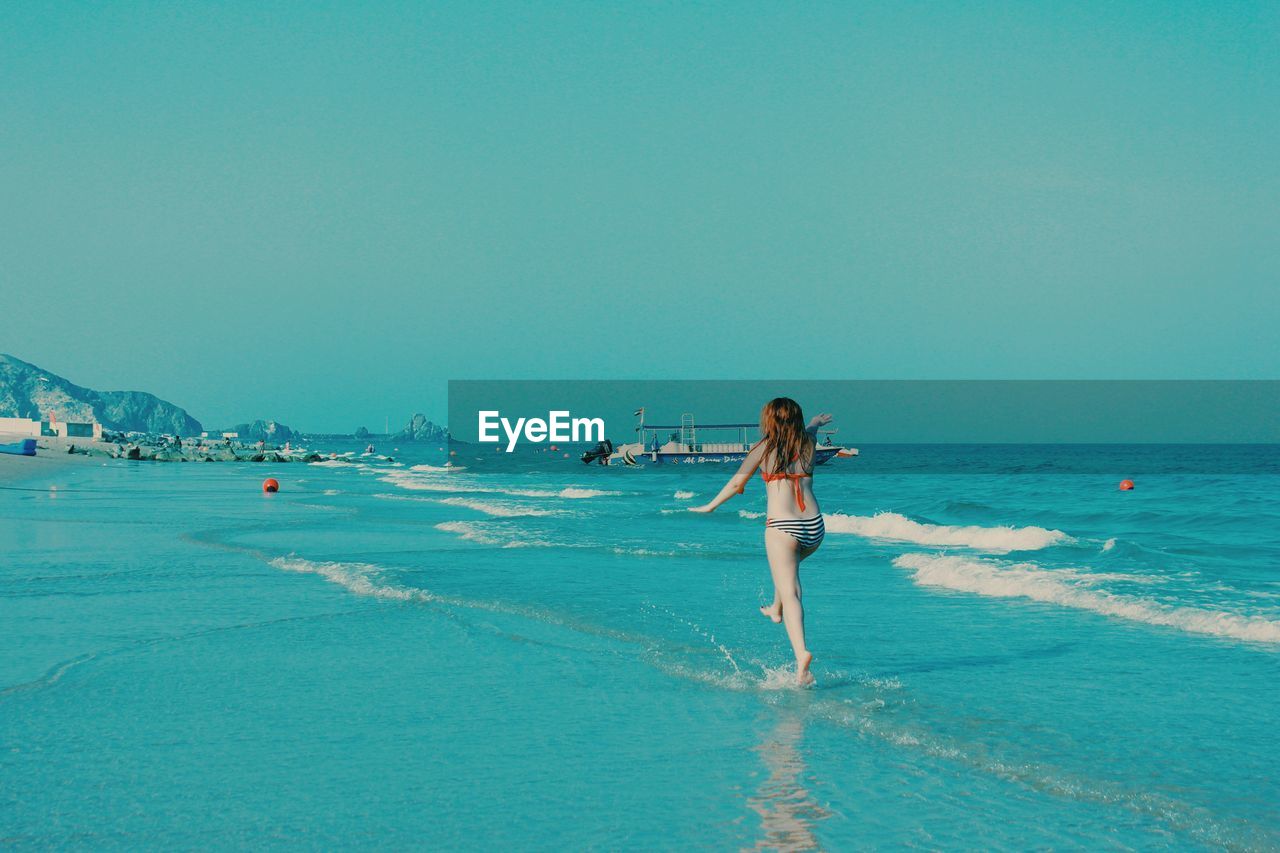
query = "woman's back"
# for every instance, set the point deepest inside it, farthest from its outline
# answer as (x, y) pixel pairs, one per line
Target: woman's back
(790, 491)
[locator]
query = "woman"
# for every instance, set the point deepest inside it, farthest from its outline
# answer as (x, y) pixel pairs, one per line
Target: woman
(793, 527)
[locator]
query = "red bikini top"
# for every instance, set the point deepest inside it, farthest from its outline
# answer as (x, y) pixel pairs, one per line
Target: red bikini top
(794, 478)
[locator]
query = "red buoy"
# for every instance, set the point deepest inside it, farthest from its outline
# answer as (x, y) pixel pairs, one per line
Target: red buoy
(270, 485)
(1126, 485)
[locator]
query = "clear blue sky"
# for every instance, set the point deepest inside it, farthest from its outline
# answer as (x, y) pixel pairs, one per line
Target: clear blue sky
(320, 212)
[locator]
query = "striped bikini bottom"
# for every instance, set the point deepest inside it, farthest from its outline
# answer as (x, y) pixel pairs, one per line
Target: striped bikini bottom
(808, 532)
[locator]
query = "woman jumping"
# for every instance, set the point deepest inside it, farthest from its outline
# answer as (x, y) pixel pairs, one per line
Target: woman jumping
(793, 526)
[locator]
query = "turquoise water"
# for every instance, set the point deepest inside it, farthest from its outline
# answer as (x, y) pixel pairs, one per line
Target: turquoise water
(537, 654)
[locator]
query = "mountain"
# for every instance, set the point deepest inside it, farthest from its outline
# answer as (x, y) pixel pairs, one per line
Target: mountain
(421, 429)
(26, 391)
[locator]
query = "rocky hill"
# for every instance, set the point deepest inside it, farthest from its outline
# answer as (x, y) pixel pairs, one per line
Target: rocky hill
(261, 430)
(26, 391)
(421, 429)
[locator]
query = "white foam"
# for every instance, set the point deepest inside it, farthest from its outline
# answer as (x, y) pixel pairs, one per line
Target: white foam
(496, 508)
(1074, 588)
(569, 492)
(572, 492)
(746, 513)
(467, 530)
(359, 578)
(895, 527)
(447, 468)
(644, 552)
(405, 480)
(486, 536)
(439, 481)
(683, 495)
(1109, 544)
(390, 497)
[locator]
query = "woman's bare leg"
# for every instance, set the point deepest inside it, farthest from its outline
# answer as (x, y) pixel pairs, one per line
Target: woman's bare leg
(773, 611)
(784, 565)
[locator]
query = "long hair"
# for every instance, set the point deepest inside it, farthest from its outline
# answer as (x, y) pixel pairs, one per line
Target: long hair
(783, 434)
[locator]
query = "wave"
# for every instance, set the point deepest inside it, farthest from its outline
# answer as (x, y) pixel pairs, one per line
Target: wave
(502, 510)
(683, 495)
(643, 552)
(746, 513)
(428, 481)
(569, 492)
(359, 578)
(405, 480)
(573, 492)
(448, 468)
(482, 535)
(895, 527)
(1073, 588)
(386, 496)
(467, 530)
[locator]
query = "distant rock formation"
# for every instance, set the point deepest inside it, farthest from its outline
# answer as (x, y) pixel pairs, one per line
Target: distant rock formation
(362, 433)
(26, 391)
(261, 430)
(421, 429)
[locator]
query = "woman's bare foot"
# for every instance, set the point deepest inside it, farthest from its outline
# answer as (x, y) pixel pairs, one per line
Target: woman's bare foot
(773, 611)
(803, 676)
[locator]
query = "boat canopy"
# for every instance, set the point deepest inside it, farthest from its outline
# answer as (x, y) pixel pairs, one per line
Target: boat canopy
(702, 426)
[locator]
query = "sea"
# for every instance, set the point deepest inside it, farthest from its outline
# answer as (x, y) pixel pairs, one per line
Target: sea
(482, 651)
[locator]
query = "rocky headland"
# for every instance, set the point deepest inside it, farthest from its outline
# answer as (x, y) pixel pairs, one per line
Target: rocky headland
(27, 391)
(421, 429)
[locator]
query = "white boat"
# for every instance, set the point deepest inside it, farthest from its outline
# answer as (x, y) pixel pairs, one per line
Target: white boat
(691, 443)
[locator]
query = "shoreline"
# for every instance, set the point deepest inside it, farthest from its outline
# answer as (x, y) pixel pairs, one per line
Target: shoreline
(57, 454)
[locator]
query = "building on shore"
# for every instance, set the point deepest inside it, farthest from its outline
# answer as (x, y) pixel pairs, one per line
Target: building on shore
(74, 429)
(52, 427)
(20, 427)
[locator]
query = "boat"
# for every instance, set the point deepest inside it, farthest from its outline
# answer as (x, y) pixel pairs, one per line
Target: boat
(26, 447)
(691, 443)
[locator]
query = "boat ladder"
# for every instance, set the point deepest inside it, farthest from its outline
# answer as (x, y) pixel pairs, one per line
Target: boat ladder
(688, 432)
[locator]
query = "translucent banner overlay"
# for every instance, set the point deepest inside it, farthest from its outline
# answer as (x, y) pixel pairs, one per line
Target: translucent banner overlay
(1192, 426)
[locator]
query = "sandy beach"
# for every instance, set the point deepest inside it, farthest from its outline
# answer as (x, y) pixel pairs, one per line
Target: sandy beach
(47, 463)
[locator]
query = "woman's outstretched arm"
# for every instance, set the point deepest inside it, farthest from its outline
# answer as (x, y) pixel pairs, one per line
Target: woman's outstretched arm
(738, 481)
(817, 421)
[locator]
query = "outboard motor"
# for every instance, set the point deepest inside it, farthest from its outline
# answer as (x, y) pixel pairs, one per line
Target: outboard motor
(600, 453)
